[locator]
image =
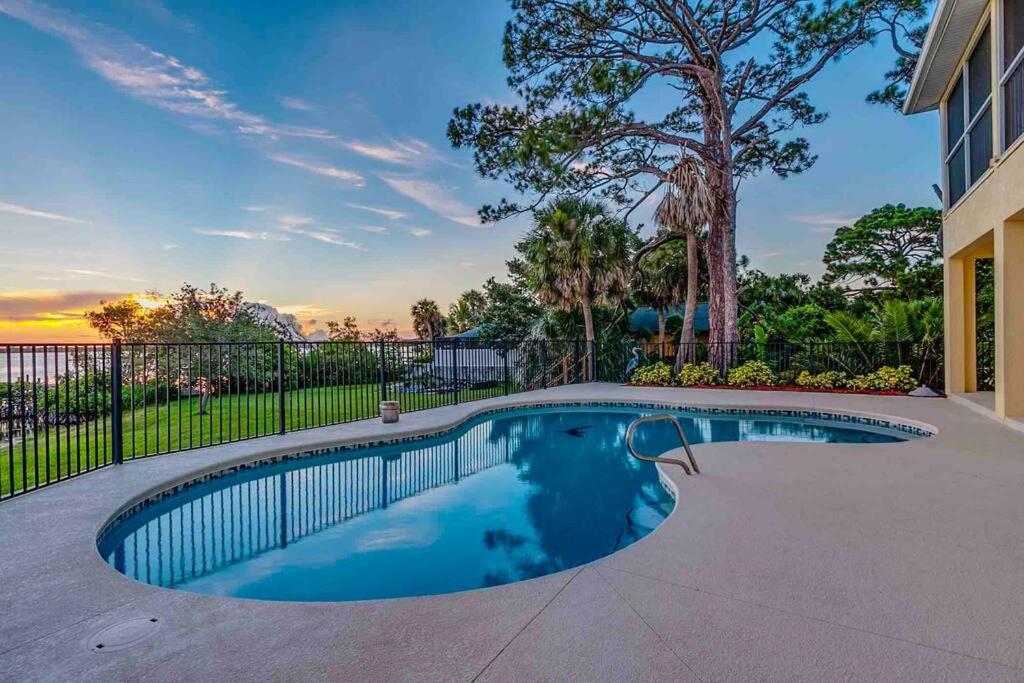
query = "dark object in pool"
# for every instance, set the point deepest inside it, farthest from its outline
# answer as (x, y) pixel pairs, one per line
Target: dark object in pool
(578, 432)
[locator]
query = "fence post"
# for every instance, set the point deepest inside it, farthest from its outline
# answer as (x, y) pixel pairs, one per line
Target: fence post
(504, 363)
(592, 361)
(576, 358)
(543, 364)
(383, 371)
(116, 423)
(282, 425)
(455, 367)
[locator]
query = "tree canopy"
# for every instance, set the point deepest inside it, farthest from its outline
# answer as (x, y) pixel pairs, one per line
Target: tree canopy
(732, 74)
(893, 249)
(189, 315)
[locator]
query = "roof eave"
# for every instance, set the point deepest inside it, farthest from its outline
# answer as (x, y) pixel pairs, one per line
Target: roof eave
(954, 20)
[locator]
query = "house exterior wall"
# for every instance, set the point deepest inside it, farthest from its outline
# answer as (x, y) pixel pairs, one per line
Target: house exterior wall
(987, 222)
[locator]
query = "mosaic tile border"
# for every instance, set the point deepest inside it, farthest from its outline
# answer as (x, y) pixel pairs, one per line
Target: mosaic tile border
(800, 413)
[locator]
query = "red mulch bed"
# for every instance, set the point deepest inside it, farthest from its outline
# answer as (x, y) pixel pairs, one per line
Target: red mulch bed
(784, 387)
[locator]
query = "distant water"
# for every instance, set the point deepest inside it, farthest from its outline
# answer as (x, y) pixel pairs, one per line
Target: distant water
(47, 365)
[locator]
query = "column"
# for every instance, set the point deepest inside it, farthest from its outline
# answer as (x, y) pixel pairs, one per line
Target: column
(1009, 271)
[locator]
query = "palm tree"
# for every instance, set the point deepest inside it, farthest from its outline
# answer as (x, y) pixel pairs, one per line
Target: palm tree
(685, 209)
(426, 319)
(465, 313)
(661, 281)
(460, 316)
(577, 254)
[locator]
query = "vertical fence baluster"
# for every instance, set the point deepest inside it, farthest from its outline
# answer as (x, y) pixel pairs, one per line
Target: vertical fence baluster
(281, 424)
(115, 403)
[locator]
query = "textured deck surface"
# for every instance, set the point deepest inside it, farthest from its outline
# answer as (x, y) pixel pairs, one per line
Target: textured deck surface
(781, 562)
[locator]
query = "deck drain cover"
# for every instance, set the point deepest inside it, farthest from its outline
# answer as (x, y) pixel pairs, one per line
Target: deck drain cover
(123, 634)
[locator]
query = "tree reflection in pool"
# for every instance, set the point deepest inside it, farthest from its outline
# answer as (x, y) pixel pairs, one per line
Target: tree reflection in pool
(506, 497)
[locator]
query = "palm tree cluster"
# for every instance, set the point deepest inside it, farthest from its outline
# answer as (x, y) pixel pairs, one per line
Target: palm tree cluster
(578, 255)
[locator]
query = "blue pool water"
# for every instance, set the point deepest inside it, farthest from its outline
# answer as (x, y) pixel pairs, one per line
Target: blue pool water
(504, 498)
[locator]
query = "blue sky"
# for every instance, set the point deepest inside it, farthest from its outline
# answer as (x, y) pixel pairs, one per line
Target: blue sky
(298, 153)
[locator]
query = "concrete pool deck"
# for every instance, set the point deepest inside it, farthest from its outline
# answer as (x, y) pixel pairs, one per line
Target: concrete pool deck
(781, 562)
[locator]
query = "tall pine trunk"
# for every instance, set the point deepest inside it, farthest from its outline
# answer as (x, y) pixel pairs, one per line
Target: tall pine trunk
(721, 247)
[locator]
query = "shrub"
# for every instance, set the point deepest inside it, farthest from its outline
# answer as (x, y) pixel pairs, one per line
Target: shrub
(659, 374)
(887, 378)
(691, 375)
(832, 379)
(753, 373)
(786, 377)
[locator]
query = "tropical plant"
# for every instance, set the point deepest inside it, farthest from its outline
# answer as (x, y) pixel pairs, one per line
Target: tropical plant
(426, 319)
(576, 255)
(887, 378)
(660, 281)
(893, 320)
(658, 374)
(466, 311)
(685, 209)
(830, 379)
(704, 374)
(753, 373)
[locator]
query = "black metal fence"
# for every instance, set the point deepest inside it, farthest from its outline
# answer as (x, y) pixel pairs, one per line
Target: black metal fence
(69, 409)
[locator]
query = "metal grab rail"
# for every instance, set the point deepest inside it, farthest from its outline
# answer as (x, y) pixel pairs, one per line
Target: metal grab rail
(657, 458)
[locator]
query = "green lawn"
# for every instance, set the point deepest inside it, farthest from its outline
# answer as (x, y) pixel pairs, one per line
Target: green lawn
(178, 425)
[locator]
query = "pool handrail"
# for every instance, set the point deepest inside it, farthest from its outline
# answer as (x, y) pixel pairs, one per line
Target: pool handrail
(657, 458)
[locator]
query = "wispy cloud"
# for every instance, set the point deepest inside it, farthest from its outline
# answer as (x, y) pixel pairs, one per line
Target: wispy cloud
(419, 232)
(48, 304)
(36, 213)
(435, 197)
(169, 247)
(405, 152)
(387, 213)
(296, 104)
(304, 310)
(825, 223)
(378, 229)
(409, 152)
(292, 219)
(255, 209)
(326, 171)
(162, 13)
(148, 75)
(244, 235)
(325, 235)
(69, 274)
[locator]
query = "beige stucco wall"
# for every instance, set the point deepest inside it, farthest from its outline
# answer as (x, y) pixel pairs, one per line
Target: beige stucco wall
(988, 222)
(997, 198)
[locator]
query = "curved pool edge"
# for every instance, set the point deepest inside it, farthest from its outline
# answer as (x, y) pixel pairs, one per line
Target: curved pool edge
(267, 456)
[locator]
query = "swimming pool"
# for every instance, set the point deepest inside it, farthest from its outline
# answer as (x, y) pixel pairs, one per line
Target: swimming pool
(505, 497)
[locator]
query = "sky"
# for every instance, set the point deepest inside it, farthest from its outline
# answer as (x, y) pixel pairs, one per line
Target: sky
(297, 152)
